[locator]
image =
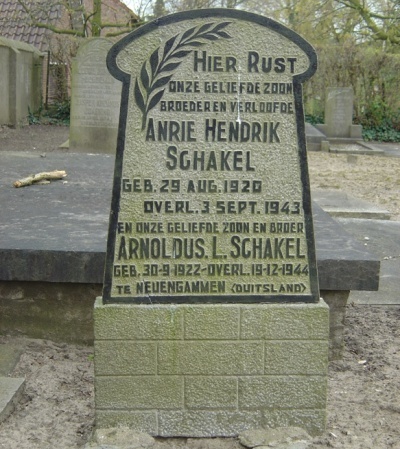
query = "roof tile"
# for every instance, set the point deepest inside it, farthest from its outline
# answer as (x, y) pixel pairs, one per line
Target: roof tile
(14, 22)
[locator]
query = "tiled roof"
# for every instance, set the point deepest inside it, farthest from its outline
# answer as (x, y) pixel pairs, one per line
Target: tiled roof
(15, 22)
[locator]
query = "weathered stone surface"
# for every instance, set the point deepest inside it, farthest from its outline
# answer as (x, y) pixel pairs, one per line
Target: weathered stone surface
(339, 114)
(212, 443)
(95, 100)
(60, 312)
(11, 391)
(337, 302)
(123, 436)
(342, 259)
(286, 392)
(211, 358)
(219, 137)
(303, 322)
(207, 423)
(158, 322)
(385, 244)
(121, 358)
(20, 81)
(338, 203)
(140, 421)
(10, 353)
(272, 437)
(139, 392)
(218, 323)
(205, 387)
(208, 392)
(34, 308)
(339, 111)
(299, 357)
(311, 420)
(292, 445)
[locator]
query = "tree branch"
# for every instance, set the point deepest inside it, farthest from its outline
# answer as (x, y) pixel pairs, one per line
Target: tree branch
(35, 179)
(378, 33)
(127, 30)
(47, 26)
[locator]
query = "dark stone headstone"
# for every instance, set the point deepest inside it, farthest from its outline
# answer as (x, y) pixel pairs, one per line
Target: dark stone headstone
(211, 197)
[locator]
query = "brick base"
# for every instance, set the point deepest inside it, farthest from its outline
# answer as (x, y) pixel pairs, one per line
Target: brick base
(211, 370)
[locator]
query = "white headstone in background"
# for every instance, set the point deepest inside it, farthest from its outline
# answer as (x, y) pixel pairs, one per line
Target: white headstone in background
(339, 114)
(339, 111)
(95, 100)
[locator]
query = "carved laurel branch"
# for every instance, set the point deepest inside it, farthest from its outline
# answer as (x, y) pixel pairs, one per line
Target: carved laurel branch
(156, 71)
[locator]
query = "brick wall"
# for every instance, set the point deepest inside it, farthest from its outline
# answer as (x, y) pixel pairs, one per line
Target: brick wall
(211, 370)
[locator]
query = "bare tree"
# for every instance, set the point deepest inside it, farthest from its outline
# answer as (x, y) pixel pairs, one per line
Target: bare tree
(380, 19)
(184, 5)
(159, 9)
(316, 20)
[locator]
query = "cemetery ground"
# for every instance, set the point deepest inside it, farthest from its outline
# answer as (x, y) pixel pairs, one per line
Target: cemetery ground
(57, 409)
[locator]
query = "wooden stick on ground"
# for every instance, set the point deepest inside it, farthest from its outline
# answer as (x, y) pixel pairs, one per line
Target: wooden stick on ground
(34, 179)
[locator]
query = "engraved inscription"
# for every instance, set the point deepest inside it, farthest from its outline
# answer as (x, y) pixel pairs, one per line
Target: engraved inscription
(210, 201)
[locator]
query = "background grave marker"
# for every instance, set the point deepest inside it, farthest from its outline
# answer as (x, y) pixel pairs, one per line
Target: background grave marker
(339, 115)
(95, 100)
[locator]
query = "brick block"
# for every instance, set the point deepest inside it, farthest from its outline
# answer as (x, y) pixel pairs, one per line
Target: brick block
(211, 392)
(285, 322)
(282, 392)
(211, 423)
(311, 420)
(139, 392)
(123, 358)
(210, 358)
(207, 423)
(137, 322)
(140, 421)
(296, 357)
(214, 322)
(209, 370)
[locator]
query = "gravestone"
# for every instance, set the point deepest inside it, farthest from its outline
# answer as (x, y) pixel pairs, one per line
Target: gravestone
(211, 183)
(210, 321)
(339, 114)
(95, 100)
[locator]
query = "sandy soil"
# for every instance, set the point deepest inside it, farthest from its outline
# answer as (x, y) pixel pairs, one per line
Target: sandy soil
(57, 408)
(37, 138)
(364, 400)
(372, 178)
